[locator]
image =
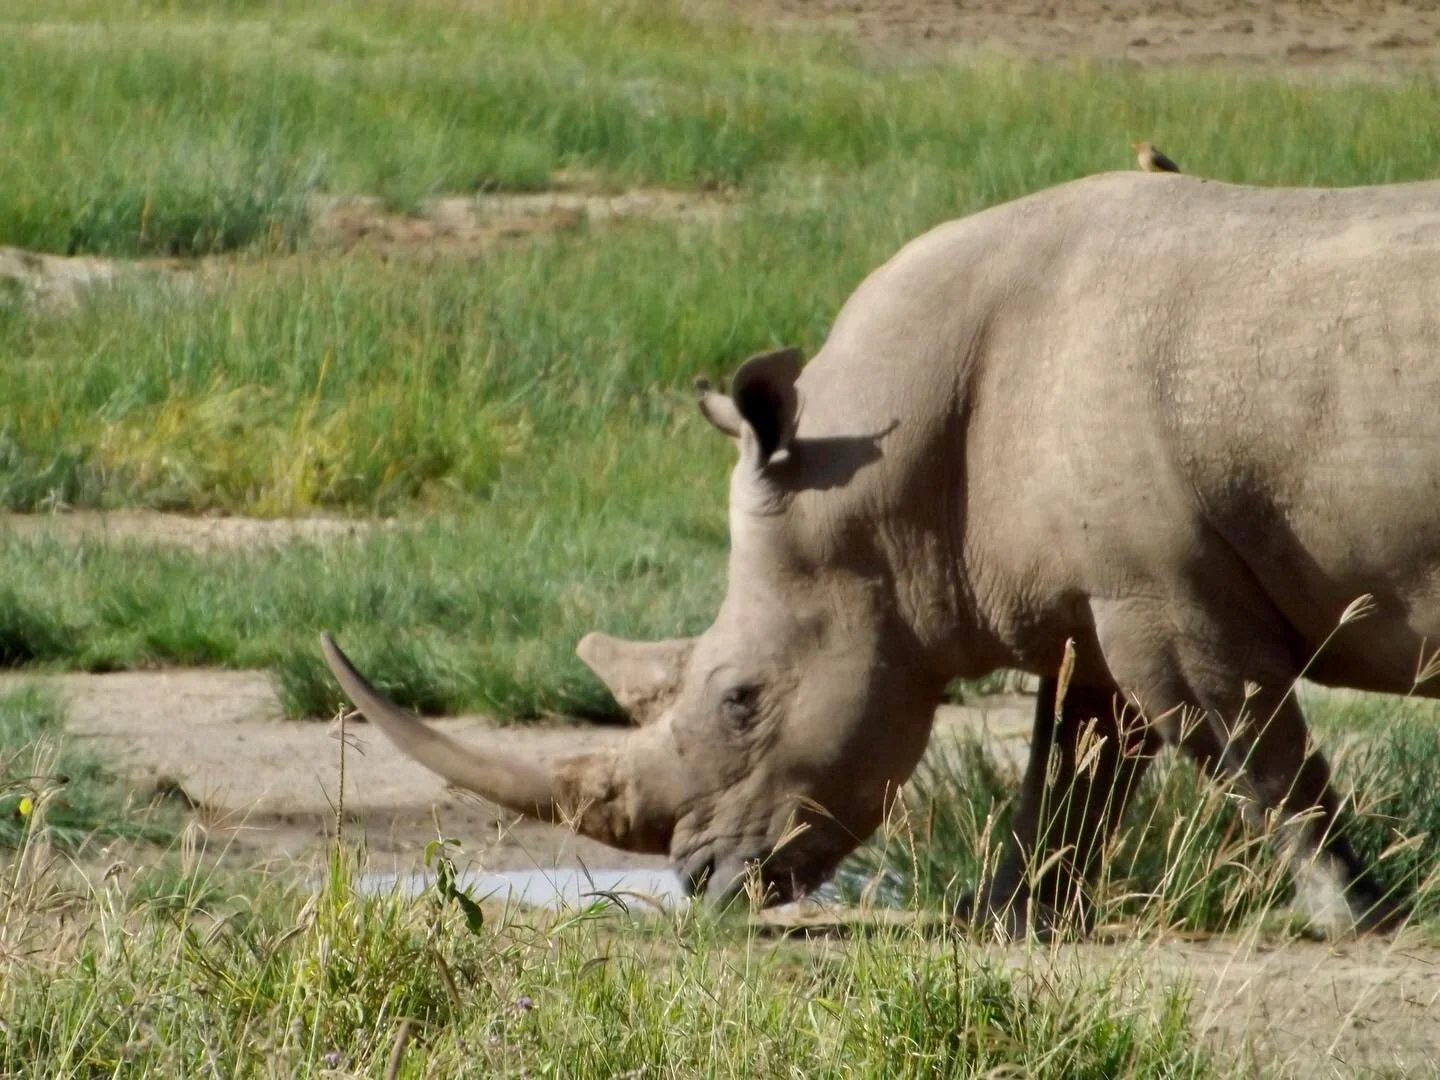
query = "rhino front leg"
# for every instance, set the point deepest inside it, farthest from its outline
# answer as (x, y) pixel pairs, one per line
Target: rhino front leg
(1220, 685)
(1081, 773)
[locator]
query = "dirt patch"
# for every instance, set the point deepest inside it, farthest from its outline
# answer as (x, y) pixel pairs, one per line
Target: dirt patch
(51, 280)
(215, 740)
(470, 225)
(194, 533)
(450, 227)
(1294, 1008)
(1290, 1007)
(59, 282)
(1304, 34)
(1310, 1010)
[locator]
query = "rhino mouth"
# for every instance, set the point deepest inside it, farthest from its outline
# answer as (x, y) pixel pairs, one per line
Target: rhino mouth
(776, 880)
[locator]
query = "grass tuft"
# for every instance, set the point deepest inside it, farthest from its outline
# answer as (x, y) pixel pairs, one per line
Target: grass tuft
(273, 978)
(450, 615)
(29, 633)
(1184, 857)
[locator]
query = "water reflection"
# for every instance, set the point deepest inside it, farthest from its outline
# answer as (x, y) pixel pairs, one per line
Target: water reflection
(556, 888)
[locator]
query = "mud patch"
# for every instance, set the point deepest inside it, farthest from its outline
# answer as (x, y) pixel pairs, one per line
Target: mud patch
(1298, 34)
(52, 281)
(461, 226)
(183, 531)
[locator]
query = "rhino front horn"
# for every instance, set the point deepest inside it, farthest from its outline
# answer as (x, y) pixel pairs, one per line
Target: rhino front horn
(595, 792)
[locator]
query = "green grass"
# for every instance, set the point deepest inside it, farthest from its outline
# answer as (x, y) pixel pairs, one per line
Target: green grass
(261, 982)
(294, 384)
(450, 615)
(53, 790)
(359, 386)
(154, 127)
(1184, 857)
(320, 383)
(1399, 828)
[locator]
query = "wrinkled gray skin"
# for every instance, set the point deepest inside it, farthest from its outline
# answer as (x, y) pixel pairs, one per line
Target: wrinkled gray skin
(1183, 423)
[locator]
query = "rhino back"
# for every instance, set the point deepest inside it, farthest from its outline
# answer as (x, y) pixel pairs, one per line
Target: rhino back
(1088, 381)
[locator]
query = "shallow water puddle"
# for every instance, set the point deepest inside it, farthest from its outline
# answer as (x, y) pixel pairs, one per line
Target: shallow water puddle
(560, 887)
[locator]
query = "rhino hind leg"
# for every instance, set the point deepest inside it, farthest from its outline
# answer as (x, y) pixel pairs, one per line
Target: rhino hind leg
(1288, 786)
(1222, 689)
(1083, 768)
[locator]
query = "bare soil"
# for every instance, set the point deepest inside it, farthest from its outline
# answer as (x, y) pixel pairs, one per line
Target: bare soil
(195, 533)
(466, 226)
(453, 227)
(215, 742)
(1295, 1008)
(1314, 35)
(51, 280)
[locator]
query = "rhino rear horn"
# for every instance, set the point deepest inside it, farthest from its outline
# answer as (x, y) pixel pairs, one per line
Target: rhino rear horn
(604, 795)
(642, 676)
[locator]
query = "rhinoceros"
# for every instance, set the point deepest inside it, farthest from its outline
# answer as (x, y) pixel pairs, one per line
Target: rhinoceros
(1190, 427)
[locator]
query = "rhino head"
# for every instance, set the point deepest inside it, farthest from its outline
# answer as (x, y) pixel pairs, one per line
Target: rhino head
(771, 744)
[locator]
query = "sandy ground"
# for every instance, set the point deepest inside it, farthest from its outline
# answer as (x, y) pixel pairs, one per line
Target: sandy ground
(216, 740)
(1332, 35)
(1297, 1009)
(193, 532)
(268, 786)
(471, 224)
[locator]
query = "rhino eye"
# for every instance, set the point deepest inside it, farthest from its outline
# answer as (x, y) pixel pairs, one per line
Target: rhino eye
(738, 704)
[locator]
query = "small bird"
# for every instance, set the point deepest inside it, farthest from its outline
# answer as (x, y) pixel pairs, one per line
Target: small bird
(1151, 159)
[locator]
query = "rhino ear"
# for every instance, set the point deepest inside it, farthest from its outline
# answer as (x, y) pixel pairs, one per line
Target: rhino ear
(718, 409)
(643, 676)
(763, 402)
